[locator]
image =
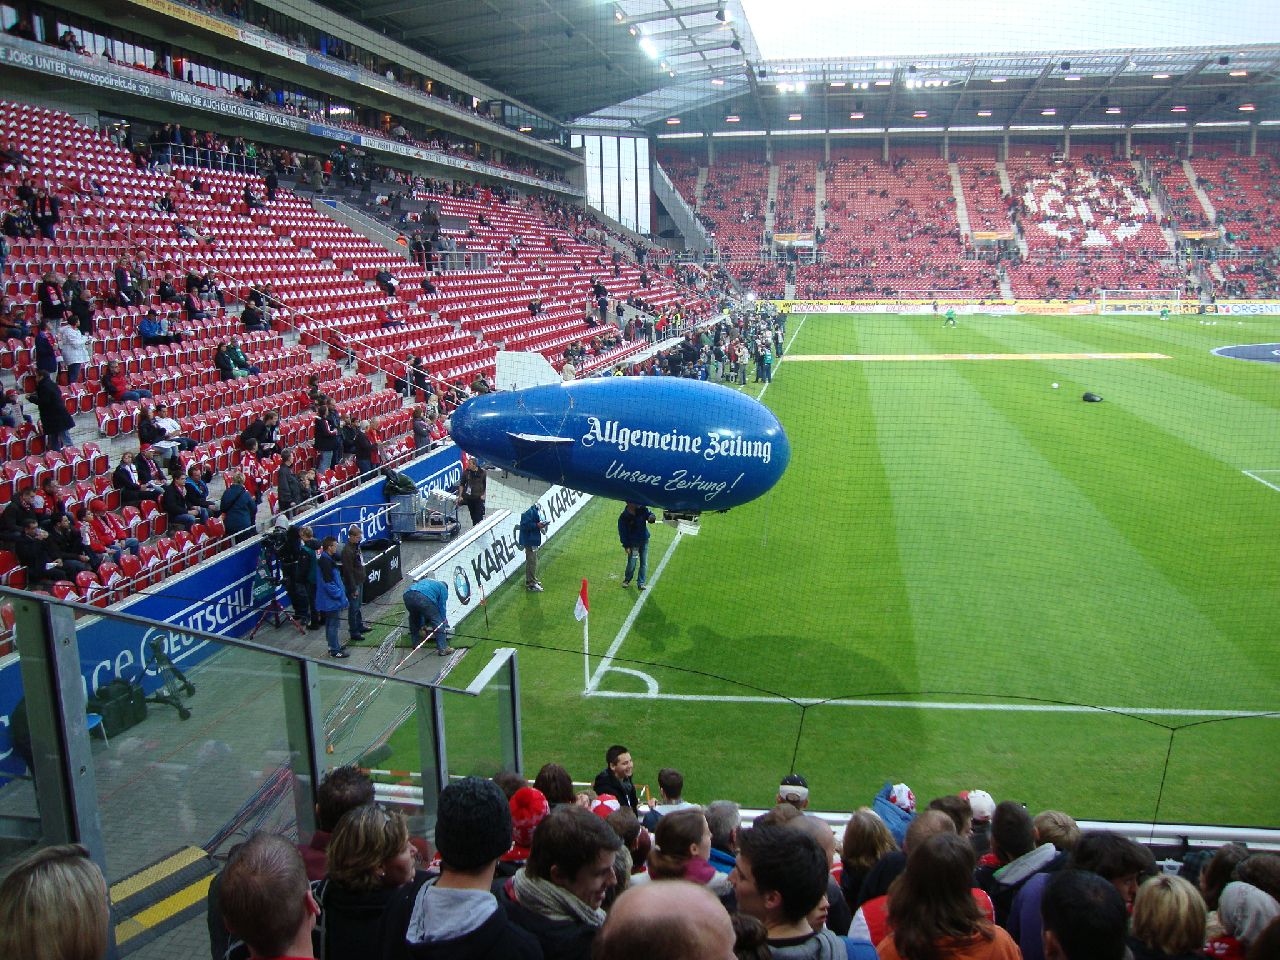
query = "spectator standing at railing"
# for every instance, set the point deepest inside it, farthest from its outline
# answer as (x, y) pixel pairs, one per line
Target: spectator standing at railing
(352, 562)
(84, 312)
(327, 443)
(331, 596)
(45, 212)
(126, 293)
(53, 305)
(75, 348)
(55, 421)
(238, 507)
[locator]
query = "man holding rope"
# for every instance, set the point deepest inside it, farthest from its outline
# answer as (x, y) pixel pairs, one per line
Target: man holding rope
(426, 601)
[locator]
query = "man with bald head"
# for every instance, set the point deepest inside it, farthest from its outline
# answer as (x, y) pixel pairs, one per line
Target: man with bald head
(666, 920)
(872, 919)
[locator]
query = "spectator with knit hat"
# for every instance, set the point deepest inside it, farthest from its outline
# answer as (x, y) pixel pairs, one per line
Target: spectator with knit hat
(109, 533)
(528, 809)
(794, 790)
(456, 915)
(983, 808)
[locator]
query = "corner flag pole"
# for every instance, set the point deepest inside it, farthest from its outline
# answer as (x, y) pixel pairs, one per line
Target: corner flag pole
(580, 612)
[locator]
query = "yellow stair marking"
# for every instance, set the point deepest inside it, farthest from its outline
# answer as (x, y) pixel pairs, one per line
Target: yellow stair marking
(154, 874)
(163, 910)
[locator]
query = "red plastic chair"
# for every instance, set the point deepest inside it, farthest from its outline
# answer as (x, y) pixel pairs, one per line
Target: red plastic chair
(155, 517)
(91, 588)
(64, 590)
(131, 571)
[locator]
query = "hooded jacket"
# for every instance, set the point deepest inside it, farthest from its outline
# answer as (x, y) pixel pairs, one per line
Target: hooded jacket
(430, 922)
(823, 945)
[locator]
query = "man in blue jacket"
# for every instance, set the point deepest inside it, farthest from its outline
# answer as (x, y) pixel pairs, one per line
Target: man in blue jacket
(426, 602)
(529, 536)
(633, 531)
(331, 596)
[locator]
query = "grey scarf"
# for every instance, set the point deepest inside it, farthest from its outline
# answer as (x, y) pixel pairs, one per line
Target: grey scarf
(555, 903)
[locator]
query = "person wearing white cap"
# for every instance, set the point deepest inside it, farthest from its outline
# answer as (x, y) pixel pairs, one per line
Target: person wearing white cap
(794, 790)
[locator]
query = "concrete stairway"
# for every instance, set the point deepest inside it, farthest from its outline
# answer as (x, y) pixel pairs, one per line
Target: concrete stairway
(957, 191)
(772, 197)
(700, 186)
(1205, 203)
(1157, 208)
(820, 200)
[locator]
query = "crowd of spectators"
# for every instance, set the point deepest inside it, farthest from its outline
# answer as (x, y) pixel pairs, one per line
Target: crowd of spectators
(555, 870)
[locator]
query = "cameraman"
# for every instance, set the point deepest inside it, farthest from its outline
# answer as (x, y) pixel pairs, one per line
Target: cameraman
(298, 568)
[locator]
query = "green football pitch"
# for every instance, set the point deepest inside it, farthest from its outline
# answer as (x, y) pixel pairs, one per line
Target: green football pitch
(965, 579)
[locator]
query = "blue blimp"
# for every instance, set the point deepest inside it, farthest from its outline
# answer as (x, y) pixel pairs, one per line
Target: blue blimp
(683, 445)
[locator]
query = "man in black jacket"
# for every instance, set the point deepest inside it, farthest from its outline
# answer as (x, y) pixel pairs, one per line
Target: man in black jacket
(14, 517)
(457, 915)
(616, 778)
(54, 419)
(67, 546)
(36, 554)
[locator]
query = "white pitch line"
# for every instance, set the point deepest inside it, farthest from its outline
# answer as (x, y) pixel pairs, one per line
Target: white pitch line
(1267, 483)
(932, 705)
(631, 617)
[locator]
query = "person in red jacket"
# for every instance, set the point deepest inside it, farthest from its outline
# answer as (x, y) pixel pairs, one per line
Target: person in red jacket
(109, 534)
(117, 385)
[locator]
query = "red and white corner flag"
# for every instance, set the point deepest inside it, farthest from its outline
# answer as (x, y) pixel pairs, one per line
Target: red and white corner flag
(580, 609)
(580, 614)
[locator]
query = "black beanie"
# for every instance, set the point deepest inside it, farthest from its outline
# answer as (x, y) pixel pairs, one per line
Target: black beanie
(473, 823)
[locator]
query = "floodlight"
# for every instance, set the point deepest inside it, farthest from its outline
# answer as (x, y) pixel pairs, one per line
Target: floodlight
(647, 46)
(1247, 107)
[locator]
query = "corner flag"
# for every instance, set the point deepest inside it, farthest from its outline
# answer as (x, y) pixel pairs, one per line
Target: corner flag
(580, 609)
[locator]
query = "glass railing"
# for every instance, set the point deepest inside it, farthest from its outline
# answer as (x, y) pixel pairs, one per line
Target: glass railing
(160, 746)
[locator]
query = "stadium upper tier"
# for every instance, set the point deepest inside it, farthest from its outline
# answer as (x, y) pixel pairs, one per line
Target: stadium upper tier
(896, 228)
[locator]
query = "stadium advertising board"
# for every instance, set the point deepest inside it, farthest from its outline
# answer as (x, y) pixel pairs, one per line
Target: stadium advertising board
(478, 566)
(191, 16)
(901, 307)
(214, 597)
(1247, 308)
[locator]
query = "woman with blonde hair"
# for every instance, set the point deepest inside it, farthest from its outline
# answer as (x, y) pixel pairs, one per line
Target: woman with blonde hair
(53, 906)
(369, 858)
(866, 840)
(1168, 920)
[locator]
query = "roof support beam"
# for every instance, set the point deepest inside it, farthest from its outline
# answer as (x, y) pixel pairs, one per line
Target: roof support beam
(1116, 74)
(1174, 87)
(1031, 92)
(964, 89)
(671, 13)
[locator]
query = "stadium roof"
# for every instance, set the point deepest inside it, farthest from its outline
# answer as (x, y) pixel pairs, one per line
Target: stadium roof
(570, 58)
(1062, 89)
(682, 66)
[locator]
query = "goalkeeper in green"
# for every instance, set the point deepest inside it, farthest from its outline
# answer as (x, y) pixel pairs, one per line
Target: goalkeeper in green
(950, 320)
